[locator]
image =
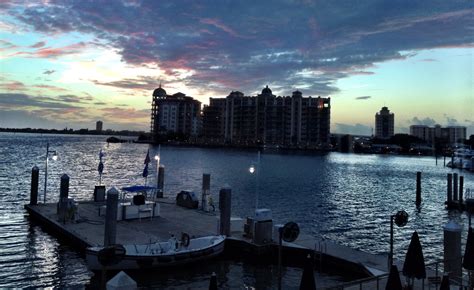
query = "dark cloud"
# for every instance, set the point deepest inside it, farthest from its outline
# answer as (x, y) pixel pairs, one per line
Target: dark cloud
(426, 121)
(356, 129)
(144, 83)
(12, 100)
(38, 44)
(363, 98)
(229, 45)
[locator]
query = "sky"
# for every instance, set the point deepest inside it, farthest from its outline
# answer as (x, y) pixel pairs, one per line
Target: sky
(71, 63)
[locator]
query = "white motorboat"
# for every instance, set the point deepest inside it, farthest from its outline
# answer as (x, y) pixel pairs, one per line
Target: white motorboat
(463, 159)
(157, 254)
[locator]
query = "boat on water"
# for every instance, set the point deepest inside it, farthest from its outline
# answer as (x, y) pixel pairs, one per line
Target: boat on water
(463, 159)
(159, 254)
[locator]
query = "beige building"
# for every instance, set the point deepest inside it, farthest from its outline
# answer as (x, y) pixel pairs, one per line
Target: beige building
(452, 134)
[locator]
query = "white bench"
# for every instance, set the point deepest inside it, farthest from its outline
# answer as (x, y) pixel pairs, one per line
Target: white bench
(127, 210)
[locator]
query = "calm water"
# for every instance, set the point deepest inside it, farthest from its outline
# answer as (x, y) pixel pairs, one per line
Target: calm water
(343, 198)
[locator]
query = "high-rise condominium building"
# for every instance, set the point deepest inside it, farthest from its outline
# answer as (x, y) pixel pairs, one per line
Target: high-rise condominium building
(175, 113)
(268, 119)
(98, 126)
(384, 123)
(451, 134)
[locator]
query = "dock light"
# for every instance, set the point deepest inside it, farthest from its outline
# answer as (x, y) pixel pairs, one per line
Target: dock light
(401, 219)
(55, 157)
(252, 169)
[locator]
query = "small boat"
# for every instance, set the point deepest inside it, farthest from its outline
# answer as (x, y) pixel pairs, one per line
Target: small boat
(463, 159)
(159, 254)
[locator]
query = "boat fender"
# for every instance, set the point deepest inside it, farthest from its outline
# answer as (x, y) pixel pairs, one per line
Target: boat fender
(185, 239)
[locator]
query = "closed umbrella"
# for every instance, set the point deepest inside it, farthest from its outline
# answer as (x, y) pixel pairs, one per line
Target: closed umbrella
(394, 282)
(444, 283)
(145, 170)
(307, 280)
(414, 266)
(468, 260)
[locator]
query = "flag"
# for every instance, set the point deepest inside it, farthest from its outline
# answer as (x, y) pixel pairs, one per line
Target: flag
(101, 165)
(145, 171)
(147, 158)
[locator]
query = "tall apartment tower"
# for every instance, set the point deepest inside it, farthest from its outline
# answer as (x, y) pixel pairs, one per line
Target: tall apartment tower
(266, 119)
(175, 113)
(98, 126)
(384, 123)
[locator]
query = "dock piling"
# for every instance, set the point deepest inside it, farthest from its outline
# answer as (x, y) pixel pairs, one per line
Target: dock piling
(110, 231)
(452, 250)
(461, 188)
(206, 186)
(63, 198)
(161, 181)
(450, 188)
(418, 189)
(34, 185)
(225, 195)
(455, 186)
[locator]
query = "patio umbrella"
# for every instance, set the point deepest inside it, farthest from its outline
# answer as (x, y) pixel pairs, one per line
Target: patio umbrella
(307, 280)
(213, 282)
(394, 282)
(101, 166)
(468, 260)
(414, 266)
(444, 283)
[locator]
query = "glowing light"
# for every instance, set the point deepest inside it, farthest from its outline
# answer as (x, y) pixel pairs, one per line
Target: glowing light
(252, 169)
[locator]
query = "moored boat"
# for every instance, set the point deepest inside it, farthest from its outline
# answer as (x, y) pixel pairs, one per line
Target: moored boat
(159, 254)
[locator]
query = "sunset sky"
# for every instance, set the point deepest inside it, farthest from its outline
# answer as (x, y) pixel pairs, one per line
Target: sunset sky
(71, 63)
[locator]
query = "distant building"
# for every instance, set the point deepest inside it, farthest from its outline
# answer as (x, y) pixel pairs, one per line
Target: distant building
(175, 113)
(98, 126)
(384, 124)
(451, 134)
(268, 119)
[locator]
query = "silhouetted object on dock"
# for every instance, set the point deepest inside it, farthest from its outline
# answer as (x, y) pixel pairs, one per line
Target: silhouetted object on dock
(307, 279)
(110, 230)
(213, 282)
(187, 199)
(161, 181)
(401, 219)
(414, 265)
(461, 188)
(452, 249)
(63, 199)
(288, 233)
(468, 260)
(450, 188)
(206, 186)
(34, 185)
(455, 186)
(418, 189)
(225, 195)
(115, 140)
(121, 281)
(393, 281)
(445, 283)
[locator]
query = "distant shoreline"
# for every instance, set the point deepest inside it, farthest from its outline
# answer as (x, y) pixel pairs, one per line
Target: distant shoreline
(72, 132)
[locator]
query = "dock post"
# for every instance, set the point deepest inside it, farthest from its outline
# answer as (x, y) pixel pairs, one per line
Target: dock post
(418, 189)
(450, 189)
(444, 160)
(206, 186)
(110, 231)
(161, 181)
(461, 189)
(63, 198)
(225, 195)
(455, 186)
(34, 185)
(452, 250)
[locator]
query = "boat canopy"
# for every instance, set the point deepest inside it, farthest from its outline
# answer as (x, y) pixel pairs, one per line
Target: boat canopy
(138, 188)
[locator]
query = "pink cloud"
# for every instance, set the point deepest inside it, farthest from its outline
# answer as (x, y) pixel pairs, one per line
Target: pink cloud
(218, 24)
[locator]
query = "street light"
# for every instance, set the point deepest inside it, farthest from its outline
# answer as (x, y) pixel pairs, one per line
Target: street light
(55, 157)
(401, 219)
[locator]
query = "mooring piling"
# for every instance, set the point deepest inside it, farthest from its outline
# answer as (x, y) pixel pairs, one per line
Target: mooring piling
(63, 198)
(450, 188)
(34, 185)
(452, 249)
(110, 231)
(418, 189)
(461, 188)
(161, 181)
(206, 186)
(225, 195)
(455, 186)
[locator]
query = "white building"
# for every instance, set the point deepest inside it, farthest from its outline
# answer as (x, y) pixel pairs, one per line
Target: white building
(452, 134)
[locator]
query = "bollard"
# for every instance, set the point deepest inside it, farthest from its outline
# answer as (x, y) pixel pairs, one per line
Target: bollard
(450, 189)
(206, 186)
(455, 186)
(418, 189)
(110, 231)
(63, 198)
(461, 188)
(225, 195)
(161, 181)
(34, 185)
(452, 250)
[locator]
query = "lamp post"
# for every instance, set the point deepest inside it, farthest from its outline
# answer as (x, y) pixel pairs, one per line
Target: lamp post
(255, 168)
(55, 157)
(401, 219)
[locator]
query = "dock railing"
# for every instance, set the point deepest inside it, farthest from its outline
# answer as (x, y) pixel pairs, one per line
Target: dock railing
(434, 273)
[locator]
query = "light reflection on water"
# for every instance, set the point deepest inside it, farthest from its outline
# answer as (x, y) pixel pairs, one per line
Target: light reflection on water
(341, 197)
